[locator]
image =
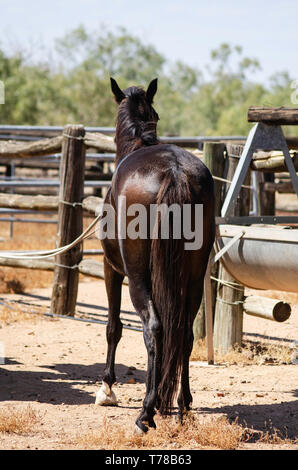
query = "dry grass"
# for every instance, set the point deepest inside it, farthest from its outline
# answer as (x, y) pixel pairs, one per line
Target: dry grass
(249, 353)
(18, 421)
(275, 436)
(195, 433)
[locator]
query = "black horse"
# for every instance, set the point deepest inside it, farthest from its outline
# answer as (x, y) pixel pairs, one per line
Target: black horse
(165, 279)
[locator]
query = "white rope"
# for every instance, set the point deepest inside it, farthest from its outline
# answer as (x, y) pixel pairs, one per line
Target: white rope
(229, 181)
(50, 253)
(67, 267)
(237, 302)
(72, 204)
(73, 137)
(230, 284)
(229, 245)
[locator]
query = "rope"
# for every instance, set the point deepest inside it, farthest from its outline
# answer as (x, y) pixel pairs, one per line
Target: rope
(229, 181)
(67, 267)
(73, 137)
(230, 284)
(237, 302)
(73, 204)
(49, 253)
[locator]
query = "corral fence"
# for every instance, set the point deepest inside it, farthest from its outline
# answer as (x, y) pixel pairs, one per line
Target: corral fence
(80, 162)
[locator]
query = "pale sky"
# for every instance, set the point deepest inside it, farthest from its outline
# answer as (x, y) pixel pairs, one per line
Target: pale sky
(184, 30)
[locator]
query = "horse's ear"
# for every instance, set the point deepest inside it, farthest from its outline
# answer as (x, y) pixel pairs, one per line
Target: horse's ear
(152, 89)
(118, 93)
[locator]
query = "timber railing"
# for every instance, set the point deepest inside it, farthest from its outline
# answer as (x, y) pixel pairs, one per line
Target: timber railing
(70, 204)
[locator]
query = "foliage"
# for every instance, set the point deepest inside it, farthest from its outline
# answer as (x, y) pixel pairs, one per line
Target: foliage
(190, 101)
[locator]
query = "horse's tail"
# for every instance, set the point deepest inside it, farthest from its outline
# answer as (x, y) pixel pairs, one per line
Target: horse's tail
(169, 278)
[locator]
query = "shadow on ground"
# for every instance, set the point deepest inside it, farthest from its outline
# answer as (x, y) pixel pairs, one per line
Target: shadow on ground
(280, 418)
(59, 383)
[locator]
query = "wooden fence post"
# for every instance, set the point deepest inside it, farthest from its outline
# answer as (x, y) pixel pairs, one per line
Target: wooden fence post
(214, 159)
(70, 220)
(228, 322)
(267, 198)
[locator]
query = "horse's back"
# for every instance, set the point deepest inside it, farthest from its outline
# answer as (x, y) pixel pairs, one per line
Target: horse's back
(142, 171)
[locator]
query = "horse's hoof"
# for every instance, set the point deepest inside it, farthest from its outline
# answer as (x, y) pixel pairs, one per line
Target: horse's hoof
(105, 396)
(140, 428)
(140, 431)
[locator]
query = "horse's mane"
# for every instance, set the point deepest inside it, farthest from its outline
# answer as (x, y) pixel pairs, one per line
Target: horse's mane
(136, 122)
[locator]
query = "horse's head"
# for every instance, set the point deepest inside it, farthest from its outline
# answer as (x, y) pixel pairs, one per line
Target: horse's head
(136, 114)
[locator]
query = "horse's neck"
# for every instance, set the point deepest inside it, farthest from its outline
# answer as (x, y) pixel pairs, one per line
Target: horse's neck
(124, 147)
(125, 144)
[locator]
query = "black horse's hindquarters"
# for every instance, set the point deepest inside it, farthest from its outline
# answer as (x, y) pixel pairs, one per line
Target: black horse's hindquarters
(138, 177)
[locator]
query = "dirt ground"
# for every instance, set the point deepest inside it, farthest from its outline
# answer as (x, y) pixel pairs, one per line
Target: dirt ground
(55, 366)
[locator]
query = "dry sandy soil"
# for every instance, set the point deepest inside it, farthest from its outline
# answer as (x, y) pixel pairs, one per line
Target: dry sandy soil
(55, 366)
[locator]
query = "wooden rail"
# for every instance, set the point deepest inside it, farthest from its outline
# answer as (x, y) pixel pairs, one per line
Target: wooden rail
(42, 147)
(270, 115)
(273, 161)
(264, 307)
(90, 204)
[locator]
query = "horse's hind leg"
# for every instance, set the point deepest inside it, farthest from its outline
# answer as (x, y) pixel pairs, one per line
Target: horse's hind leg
(185, 397)
(152, 336)
(113, 281)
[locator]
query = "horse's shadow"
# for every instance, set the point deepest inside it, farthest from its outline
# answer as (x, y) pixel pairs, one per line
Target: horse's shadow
(59, 383)
(278, 419)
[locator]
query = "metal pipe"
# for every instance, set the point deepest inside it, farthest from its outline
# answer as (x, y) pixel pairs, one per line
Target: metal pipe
(101, 157)
(34, 221)
(12, 172)
(50, 183)
(202, 138)
(24, 211)
(111, 130)
(28, 129)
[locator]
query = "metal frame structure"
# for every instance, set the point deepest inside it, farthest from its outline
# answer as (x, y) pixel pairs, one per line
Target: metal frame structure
(261, 137)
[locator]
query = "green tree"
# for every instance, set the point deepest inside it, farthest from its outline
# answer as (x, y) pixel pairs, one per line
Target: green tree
(31, 91)
(219, 103)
